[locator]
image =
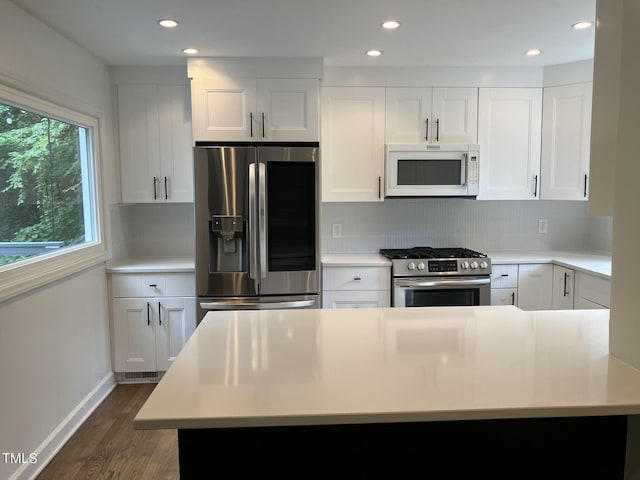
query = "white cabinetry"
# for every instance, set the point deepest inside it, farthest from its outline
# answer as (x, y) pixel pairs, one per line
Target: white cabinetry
(504, 284)
(431, 115)
(356, 287)
(153, 316)
(566, 136)
(352, 144)
(535, 286)
(592, 291)
(255, 109)
(563, 284)
(155, 143)
(509, 134)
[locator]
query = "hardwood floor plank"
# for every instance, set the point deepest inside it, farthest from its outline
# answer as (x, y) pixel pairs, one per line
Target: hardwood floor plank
(106, 447)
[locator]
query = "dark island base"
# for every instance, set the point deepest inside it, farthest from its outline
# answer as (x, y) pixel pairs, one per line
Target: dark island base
(546, 448)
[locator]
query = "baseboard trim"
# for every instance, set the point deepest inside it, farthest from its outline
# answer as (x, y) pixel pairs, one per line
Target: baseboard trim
(63, 432)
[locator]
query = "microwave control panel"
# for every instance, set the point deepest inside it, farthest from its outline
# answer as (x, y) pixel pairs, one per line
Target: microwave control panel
(472, 173)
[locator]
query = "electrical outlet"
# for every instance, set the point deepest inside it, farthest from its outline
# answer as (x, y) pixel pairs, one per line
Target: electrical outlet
(543, 225)
(336, 230)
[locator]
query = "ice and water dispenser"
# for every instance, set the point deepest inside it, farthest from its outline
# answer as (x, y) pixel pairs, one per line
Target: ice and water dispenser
(227, 243)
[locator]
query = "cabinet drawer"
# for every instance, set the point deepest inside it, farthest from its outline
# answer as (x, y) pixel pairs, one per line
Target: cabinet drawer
(504, 276)
(594, 289)
(356, 299)
(152, 285)
(356, 278)
(504, 296)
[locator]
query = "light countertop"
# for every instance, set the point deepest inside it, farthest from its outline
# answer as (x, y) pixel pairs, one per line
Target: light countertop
(301, 367)
(152, 265)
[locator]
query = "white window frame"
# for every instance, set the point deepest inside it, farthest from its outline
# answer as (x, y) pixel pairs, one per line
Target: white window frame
(25, 275)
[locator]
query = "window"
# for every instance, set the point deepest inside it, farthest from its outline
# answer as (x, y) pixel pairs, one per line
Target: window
(49, 213)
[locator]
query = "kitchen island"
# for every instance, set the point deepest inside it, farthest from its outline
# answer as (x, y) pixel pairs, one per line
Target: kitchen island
(457, 390)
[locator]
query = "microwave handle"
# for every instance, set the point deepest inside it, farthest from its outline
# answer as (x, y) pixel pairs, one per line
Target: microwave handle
(464, 176)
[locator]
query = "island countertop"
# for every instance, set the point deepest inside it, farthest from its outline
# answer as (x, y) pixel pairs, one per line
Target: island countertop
(320, 367)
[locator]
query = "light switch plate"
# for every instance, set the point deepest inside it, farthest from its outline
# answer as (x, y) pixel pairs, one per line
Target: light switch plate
(336, 230)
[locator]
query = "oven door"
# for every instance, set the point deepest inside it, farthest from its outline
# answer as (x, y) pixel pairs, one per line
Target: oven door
(441, 292)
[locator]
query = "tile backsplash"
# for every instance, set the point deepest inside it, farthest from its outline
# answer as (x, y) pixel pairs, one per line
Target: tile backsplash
(449, 222)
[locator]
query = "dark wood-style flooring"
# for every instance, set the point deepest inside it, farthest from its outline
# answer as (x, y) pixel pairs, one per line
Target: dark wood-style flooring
(106, 447)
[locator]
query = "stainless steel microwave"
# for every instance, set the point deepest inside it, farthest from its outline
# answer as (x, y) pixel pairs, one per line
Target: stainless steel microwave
(432, 170)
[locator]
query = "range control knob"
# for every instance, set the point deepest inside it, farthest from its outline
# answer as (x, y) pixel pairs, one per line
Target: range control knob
(464, 265)
(474, 264)
(411, 266)
(483, 265)
(421, 266)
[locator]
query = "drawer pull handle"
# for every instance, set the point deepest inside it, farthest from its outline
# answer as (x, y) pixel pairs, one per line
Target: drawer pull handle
(154, 285)
(504, 275)
(357, 278)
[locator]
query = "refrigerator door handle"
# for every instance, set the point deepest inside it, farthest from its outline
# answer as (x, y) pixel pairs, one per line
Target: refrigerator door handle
(262, 218)
(257, 305)
(253, 257)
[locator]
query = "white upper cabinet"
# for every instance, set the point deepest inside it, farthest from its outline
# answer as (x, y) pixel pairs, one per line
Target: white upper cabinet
(566, 137)
(250, 109)
(509, 134)
(431, 115)
(352, 144)
(155, 143)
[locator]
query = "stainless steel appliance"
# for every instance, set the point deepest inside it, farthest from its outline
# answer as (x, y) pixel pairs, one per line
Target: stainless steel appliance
(256, 223)
(432, 170)
(429, 277)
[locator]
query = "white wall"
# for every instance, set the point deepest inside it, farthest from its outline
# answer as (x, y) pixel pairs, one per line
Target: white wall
(55, 361)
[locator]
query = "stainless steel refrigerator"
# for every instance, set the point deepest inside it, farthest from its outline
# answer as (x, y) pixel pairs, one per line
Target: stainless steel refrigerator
(257, 227)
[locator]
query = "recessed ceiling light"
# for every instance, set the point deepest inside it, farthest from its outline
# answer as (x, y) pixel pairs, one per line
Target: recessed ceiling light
(533, 52)
(168, 23)
(374, 53)
(190, 51)
(581, 25)
(390, 24)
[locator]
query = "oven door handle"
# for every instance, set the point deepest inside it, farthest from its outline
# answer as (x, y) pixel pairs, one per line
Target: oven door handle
(441, 282)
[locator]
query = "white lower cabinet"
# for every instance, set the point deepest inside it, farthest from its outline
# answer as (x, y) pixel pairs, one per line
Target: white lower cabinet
(535, 286)
(592, 291)
(504, 284)
(149, 331)
(563, 284)
(356, 287)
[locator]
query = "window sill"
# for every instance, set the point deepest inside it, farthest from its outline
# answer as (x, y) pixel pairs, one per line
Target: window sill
(22, 277)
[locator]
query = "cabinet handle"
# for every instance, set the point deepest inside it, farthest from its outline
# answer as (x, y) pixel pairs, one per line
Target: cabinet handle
(155, 188)
(565, 293)
(379, 186)
(166, 190)
(585, 185)
(251, 124)
(153, 285)
(148, 314)
(426, 131)
(504, 275)
(357, 279)
(262, 124)
(513, 298)
(535, 186)
(159, 313)
(437, 129)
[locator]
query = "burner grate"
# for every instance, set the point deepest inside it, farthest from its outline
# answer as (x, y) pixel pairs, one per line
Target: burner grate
(429, 252)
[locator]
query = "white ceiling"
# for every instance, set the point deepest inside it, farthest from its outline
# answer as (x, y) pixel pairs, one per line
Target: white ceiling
(433, 32)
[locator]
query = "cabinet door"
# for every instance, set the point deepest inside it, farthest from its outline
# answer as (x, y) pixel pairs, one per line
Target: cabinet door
(454, 115)
(134, 321)
(504, 296)
(287, 110)
(566, 136)
(509, 134)
(535, 287)
(563, 283)
(352, 144)
(224, 109)
(139, 143)
(407, 115)
(176, 322)
(176, 146)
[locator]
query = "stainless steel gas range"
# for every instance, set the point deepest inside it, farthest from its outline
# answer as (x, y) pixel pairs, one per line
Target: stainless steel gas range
(430, 277)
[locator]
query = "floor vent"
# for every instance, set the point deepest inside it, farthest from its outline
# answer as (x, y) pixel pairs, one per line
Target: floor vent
(138, 377)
